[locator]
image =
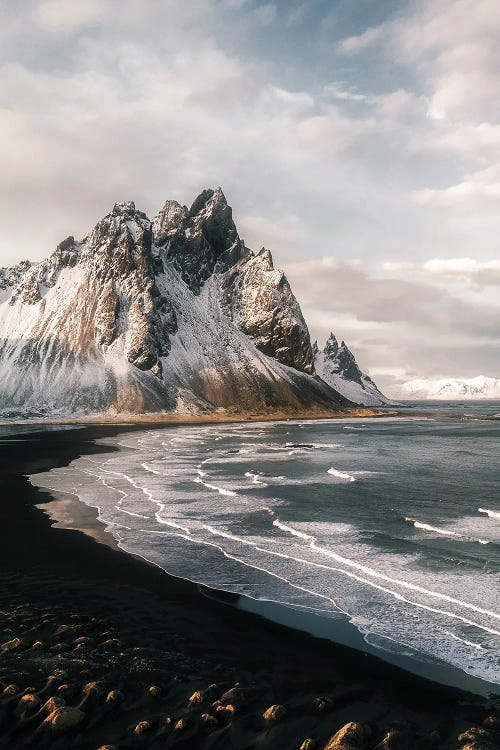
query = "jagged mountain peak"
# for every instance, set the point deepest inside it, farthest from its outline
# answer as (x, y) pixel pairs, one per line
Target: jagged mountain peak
(200, 240)
(123, 207)
(265, 258)
(209, 201)
(10, 277)
(337, 365)
(174, 314)
(123, 212)
(331, 346)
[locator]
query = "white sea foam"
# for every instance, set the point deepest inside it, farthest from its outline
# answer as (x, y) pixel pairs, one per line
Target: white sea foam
(155, 471)
(326, 445)
(462, 640)
(428, 527)
(342, 475)
(389, 579)
(299, 564)
(354, 576)
(443, 532)
(255, 478)
(220, 490)
(490, 513)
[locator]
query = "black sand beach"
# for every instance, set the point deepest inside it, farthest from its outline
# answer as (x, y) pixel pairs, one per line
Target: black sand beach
(123, 643)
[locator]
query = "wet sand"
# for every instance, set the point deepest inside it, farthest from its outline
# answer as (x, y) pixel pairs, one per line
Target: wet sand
(83, 619)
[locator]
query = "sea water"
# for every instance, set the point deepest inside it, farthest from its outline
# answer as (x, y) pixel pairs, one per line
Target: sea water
(390, 523)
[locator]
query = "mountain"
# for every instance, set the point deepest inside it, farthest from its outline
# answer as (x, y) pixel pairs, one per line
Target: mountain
(172, 315)
(337, 366)
(479, 387)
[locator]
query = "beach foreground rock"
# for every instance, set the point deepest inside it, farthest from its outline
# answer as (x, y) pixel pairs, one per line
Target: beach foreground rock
(351, 737)
(63, 719)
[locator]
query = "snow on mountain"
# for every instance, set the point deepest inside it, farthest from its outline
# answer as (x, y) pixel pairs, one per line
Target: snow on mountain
(172, 315)
(479, 387)
(10, 277)
(337, 366)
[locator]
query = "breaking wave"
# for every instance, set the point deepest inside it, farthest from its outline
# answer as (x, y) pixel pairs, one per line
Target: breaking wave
(490, 513)
(199, 506)
(342, 475)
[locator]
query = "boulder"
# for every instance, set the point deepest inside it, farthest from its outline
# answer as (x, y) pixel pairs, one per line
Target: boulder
(350, 737)
(476, 738)
(28, 703)
(63, 719)
(274, 712)
(11, 645)
(52, 704)
(115, 696)
(226, 711)
(142, 727)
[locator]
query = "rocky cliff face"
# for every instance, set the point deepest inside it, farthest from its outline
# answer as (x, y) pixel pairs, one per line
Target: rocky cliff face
(171, 315)
(337, 366)
(10, 277)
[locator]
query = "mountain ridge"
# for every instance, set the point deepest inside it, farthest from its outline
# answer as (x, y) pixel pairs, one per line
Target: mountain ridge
(174, 314)
(479, 387)
(337, 366)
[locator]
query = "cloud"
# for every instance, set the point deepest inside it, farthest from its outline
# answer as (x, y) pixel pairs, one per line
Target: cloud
(454, 46)
(69, 17)
(281, 234)
(383, 146)
(462, 270)
(264, 14)
(350, 288)
(477, 190)
(359, 42)
(398, 320)
(346, 92)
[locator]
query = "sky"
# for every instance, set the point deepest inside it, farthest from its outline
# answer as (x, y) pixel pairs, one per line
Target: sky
(359, 141)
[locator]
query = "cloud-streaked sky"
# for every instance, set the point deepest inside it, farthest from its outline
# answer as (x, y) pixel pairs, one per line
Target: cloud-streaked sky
(359, 141)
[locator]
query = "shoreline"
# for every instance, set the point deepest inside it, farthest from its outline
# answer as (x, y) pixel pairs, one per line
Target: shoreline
(159, 418)
(70, 513)
(34, 550)
(85, 519)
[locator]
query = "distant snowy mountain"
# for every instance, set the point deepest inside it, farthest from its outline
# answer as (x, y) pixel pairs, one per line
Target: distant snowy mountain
(479, 387)
(337, 366)
(173, 315)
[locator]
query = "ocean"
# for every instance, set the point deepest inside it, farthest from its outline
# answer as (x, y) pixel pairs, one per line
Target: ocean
(389, 524)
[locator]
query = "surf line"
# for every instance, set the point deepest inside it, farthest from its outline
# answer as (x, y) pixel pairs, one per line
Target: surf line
(220, 490)
(490, 513)
(161, 506)
(123, 494)
(347, 573)
(373, 573)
